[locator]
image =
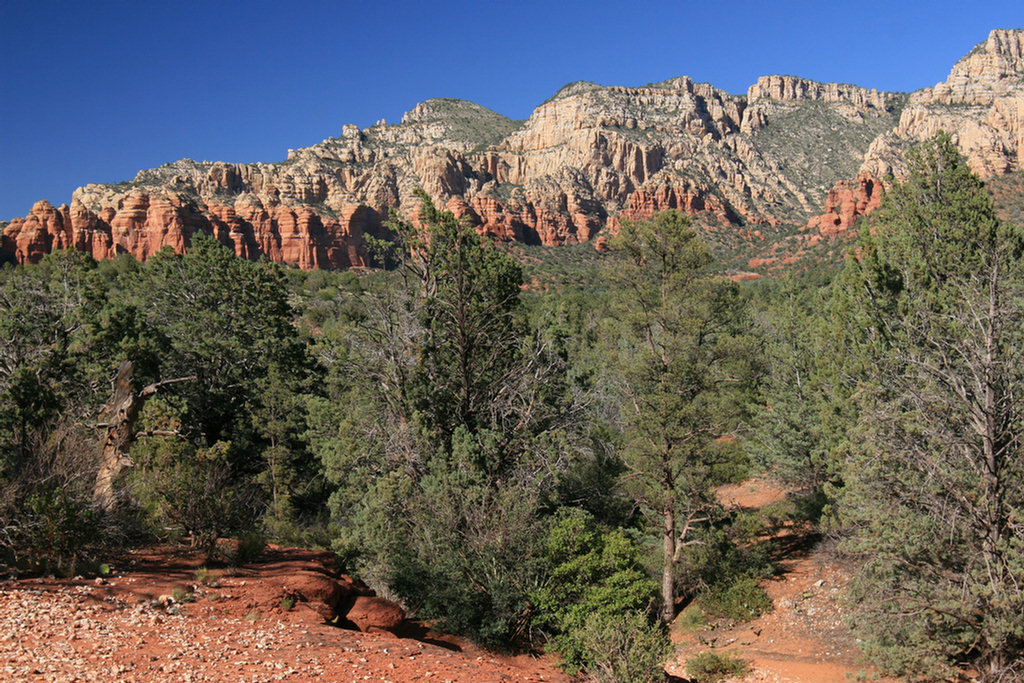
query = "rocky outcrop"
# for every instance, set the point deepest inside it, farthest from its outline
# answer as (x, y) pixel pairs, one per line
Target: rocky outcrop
(846, 202)
(992, 70)
(765, 97)
(329, 596)
(375, 614)
(759, 165)
(141, 224)
(980, 104)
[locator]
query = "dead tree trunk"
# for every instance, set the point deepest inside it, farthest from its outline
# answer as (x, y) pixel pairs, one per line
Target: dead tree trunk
(123, 408)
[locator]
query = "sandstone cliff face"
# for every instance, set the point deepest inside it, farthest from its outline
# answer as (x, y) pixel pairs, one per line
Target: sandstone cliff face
(980, 104)
(847, 201)
(759, 164)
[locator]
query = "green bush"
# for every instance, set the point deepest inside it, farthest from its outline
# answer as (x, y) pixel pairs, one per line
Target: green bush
(723, 555)
(250, 547)
(57, 529)
(625, 648)
(691, 619)
(465, 555)
(593, 572)
(194, 490)
(710, 667)
(741, 600)
(243, 550)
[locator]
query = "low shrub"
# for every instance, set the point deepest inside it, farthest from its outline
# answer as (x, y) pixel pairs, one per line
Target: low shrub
(182, 594)
(594, 572)
(195, 490)
(723, 556)
(711, 667)
(691, 619)
(625, 648)
(250, 547)
(56, 530)
(205, 577)
(739, 601)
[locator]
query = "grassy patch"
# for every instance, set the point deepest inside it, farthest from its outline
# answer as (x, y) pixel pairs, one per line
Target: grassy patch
(181, 594)
(691, 619)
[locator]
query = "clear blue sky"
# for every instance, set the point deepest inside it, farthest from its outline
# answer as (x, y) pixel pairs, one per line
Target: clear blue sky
(95, 91)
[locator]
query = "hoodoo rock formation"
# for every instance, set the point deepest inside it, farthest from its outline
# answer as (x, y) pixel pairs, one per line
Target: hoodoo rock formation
(846, 202)
(764, 163)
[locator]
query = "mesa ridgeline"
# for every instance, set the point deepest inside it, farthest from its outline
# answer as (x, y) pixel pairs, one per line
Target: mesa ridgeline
(793, 161)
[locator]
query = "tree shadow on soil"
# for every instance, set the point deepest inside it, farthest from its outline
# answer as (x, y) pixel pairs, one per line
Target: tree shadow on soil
(793, 546)
(414, 630)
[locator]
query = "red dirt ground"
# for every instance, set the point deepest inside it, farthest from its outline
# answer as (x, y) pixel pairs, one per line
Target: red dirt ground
(234, 627)
(803, 639)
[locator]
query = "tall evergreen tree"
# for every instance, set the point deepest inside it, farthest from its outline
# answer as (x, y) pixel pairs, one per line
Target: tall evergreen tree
(788, 435)
(225, 321)
(447, 445)
(935, 486)
(687, 371)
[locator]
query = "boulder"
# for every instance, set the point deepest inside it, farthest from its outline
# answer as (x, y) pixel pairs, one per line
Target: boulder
(372, 613)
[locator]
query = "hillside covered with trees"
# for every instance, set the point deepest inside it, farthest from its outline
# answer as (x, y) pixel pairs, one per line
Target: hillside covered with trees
(527, 454)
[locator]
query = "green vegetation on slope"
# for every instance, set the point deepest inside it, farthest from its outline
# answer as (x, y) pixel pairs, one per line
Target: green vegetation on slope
(522, 443)
(817, 145)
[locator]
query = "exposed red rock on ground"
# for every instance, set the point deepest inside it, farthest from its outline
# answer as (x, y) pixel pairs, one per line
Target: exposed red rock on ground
(232, 626)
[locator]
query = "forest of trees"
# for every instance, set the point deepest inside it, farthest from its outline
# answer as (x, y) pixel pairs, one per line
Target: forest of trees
(538, 468)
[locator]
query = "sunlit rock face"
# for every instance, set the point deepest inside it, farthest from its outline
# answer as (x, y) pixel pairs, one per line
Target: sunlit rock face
(789, 155)
(980, 104)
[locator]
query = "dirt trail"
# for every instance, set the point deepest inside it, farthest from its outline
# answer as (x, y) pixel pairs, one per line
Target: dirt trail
(234, 627)
(803, 639)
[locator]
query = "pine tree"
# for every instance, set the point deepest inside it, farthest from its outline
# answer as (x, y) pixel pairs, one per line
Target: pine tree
(687, 372)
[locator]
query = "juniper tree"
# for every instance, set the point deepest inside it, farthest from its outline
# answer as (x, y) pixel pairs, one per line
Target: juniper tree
(447, 444)
(934, 300)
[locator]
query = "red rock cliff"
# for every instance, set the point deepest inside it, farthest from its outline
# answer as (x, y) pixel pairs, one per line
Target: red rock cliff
(755, 164)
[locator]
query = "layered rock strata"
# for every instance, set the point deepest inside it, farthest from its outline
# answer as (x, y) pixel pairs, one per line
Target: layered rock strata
(759, 164)
(981, 106)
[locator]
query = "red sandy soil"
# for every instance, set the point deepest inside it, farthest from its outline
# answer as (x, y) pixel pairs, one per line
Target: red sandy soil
(803, 639)
(232, 628)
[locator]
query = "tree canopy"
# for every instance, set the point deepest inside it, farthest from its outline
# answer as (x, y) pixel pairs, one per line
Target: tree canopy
(935, 484)
(687, 372)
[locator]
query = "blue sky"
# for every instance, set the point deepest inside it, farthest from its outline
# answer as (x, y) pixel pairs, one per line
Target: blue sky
(95, 91)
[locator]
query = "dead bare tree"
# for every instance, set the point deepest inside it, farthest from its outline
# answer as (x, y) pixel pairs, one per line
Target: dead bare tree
(124, 407)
